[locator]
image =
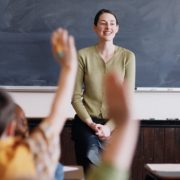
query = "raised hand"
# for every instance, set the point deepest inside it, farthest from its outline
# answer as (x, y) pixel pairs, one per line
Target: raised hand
(117, 99)
(63, 48)
(64, 51)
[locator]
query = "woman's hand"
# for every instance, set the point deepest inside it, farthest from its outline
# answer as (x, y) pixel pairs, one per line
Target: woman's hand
(103, 132)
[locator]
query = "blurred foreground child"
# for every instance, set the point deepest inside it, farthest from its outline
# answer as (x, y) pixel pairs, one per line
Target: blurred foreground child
(37, 155)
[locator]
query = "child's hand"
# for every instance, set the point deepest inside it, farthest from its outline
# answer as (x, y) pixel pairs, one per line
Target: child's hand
(63, 48)
(117, 101)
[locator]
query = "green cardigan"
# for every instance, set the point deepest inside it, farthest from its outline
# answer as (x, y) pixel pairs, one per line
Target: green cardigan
(88, 99)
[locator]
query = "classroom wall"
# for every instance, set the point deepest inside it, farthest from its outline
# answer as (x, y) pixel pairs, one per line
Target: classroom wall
(148, 104)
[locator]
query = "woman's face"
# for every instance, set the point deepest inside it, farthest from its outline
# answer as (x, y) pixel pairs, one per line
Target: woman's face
(106, 28)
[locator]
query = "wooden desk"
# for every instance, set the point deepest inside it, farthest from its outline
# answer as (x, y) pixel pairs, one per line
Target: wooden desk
(73, 173)
(162, 171)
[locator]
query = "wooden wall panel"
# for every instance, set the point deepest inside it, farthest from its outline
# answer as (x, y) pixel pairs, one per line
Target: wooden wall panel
(158, 142)
(159, 145)
(136, 170)
(169, 145)
(67, 154)
(177, 145)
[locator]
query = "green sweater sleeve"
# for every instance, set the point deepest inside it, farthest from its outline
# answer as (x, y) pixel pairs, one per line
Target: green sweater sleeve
(78, 92)
(130, 72)
(107, 172)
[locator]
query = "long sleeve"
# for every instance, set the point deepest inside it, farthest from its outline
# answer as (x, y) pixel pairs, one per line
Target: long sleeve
(130, 72)
(77, 100)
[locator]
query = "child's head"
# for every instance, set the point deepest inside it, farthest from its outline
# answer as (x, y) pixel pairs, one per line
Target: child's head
(7, 110)
(21, 122)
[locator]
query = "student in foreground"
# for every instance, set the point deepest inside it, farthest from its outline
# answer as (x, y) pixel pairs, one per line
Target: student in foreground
(37, 156)
(119, 151)
(22, 130)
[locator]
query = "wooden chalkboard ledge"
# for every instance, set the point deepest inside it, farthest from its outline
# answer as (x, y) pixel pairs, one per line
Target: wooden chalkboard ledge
(157, 89)
(30, 88)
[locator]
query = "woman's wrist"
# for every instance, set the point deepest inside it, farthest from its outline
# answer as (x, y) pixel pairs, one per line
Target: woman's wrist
(90, 123)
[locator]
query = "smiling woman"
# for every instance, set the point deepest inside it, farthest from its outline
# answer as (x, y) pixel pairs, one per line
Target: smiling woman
(91, 126)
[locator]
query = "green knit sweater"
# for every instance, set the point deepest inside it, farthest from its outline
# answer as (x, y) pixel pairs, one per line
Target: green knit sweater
(88, 99)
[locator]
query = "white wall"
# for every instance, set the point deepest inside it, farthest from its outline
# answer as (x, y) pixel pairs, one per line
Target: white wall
(157, 105)
(148, 104)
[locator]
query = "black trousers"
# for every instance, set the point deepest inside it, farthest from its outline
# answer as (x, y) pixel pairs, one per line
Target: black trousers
(87, 144)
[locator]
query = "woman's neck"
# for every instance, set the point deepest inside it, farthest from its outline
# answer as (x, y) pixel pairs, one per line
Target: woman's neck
(106, 50)
(105, 46)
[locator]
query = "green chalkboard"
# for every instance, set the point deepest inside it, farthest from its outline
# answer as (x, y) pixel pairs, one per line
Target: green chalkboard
(151, 29)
